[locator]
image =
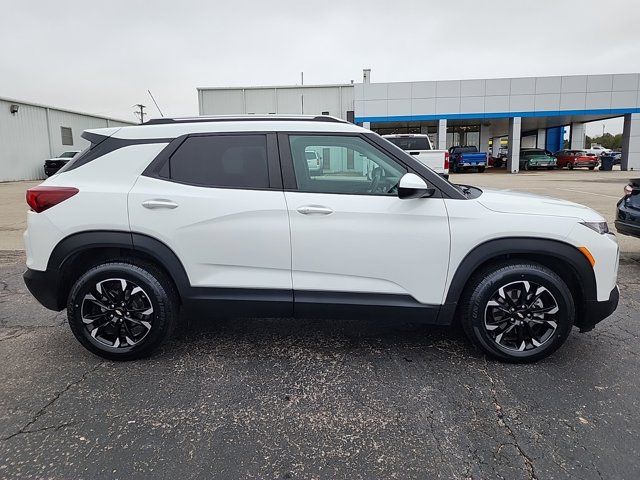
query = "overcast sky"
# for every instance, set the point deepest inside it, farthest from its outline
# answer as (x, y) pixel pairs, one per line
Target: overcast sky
(101, 57)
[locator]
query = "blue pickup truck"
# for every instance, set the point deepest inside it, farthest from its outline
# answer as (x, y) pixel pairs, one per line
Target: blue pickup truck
(464, 158)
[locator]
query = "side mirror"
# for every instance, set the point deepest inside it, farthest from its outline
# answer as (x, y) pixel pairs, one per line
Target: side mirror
(412, 186)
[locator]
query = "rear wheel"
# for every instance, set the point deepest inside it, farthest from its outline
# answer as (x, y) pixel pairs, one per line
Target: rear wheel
(122, 311)
(570, 165)
(517, 312)
(591, 168)
(526, 166)
(481, 169)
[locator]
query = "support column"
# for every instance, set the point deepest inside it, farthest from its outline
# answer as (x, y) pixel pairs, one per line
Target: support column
(578, 132)
(513, 159)
(485, 135)
(442, 134)
(631, 142)
(541, 141)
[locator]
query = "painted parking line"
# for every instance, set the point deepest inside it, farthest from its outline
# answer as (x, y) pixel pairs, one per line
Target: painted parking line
(589, 193)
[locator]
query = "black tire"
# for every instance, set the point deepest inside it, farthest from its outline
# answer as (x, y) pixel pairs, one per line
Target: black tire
(592, 168)
(480, 169)
(476, 314)
(570, 165)
(497, 163)
(156, 292)
(551, 167)
(526, 166)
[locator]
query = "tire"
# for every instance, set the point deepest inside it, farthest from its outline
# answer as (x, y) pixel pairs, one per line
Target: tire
(551, 168)
(481, 322)
(497, 163)
(122, 332)
(526, 167)
(570, 165)
(592, 168)
(480, 169)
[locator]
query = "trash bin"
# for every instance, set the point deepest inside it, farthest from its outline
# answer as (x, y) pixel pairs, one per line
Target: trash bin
(606, 163)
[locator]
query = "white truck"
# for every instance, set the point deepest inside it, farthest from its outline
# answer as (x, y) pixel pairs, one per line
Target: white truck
(419, 146)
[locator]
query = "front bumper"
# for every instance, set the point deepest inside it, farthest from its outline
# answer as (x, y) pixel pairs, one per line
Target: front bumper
(628, 228)
(44, 288)
(595, 312)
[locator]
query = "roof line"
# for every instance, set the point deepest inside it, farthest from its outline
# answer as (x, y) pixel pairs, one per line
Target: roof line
(66, 110)
(258, 87)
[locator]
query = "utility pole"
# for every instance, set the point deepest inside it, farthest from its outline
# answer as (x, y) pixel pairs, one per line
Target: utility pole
(140, 113)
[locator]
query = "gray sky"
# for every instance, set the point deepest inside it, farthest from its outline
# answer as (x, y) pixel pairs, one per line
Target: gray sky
(101, 57)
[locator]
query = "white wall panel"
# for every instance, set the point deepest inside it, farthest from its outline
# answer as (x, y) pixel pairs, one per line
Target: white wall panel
(261, 101)
(548, 85)
(399, 90)
(523, 86)
(472, 104)
(574, 84)
(627, 81)
(598, 100)
(496, 103)
(423, 106)
(448, 88)
(572, 101)
(498, 86)
(624, 99)
(599, 83)
(522, 103)
(472, 88)
(222, 102)
(423, 89)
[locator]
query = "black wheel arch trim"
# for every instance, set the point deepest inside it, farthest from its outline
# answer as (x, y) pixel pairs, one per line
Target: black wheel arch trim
(70, 247)
(499, 248)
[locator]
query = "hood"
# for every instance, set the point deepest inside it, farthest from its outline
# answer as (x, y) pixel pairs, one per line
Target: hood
(509, 201)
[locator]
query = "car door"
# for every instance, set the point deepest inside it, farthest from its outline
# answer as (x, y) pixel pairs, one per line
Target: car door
(351, 235)
(216, 200)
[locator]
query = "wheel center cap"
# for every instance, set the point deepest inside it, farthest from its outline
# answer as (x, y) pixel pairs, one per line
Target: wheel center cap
(118, 312)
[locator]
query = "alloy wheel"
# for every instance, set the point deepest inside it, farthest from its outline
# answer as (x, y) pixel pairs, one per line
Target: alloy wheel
(117, 313)
(521, 316)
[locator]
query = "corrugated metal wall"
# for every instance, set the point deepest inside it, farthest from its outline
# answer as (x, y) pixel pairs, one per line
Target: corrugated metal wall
(27, 139)
(308, 100)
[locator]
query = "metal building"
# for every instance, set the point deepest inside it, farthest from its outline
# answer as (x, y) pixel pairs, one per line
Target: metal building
(530, 111)
(31, 133)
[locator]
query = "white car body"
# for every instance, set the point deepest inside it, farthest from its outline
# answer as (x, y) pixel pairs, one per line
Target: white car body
(598, 150)
(436, 160)
(293, 241)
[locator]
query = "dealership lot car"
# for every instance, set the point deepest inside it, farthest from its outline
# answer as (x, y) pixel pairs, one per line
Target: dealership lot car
(532, 158)
(575, 159)
(52, 165)
(224, 212)
(419, 146)
(628, 213)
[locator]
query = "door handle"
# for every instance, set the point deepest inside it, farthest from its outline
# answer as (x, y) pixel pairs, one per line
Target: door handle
(314, 210)
(159, 203)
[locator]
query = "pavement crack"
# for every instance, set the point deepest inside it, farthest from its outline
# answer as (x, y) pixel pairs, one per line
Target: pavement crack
(56, 397)
(500, 414)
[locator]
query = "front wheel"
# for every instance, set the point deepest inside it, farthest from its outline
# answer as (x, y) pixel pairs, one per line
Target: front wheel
(122, 311)
(481, 169)
(591, 168)
(517, 312)
(570, 165)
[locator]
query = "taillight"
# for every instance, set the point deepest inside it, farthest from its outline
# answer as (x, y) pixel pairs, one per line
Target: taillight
(446, 160)
(43, 197)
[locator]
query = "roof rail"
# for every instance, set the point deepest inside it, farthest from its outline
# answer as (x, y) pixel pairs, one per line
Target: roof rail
(244, 118)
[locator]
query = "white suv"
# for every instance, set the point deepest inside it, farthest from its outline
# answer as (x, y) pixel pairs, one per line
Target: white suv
(224, 212)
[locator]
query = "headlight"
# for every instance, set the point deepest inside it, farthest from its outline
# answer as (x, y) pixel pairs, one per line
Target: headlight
(599, 227)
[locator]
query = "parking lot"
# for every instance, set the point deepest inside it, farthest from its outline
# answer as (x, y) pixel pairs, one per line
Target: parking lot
(283, 398)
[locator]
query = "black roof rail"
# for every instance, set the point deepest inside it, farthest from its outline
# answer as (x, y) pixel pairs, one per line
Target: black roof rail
(246, 118)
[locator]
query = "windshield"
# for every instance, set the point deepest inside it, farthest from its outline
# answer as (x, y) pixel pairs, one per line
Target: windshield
(311, 155)
(529, 153)
(411, 143)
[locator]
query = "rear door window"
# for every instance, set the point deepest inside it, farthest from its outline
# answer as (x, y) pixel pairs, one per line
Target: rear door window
(231, 161)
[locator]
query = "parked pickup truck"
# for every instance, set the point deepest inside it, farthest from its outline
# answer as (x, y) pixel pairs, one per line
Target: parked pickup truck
(464, 158)
(419, 147)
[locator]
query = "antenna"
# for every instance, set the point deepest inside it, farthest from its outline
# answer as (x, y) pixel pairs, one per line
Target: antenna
(156, 103)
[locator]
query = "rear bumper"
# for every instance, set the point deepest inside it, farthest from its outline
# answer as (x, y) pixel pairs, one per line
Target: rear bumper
(595, 311)
(44, 288)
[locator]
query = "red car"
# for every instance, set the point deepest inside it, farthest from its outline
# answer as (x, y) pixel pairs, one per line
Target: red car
(576, 158)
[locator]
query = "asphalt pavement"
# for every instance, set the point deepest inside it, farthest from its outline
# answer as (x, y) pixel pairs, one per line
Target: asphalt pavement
(280, 398)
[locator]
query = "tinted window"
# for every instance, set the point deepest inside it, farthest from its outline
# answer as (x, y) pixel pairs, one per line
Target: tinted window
(222, 161)
(350, 165)
(411, 143)
(464, 150)
(68, 155)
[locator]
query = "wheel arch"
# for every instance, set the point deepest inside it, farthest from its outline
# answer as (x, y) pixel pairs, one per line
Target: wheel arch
(564, 259)
(80, 251)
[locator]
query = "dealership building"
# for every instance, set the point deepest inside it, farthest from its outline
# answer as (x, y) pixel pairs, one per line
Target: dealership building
(528, 111)
(30, 133)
